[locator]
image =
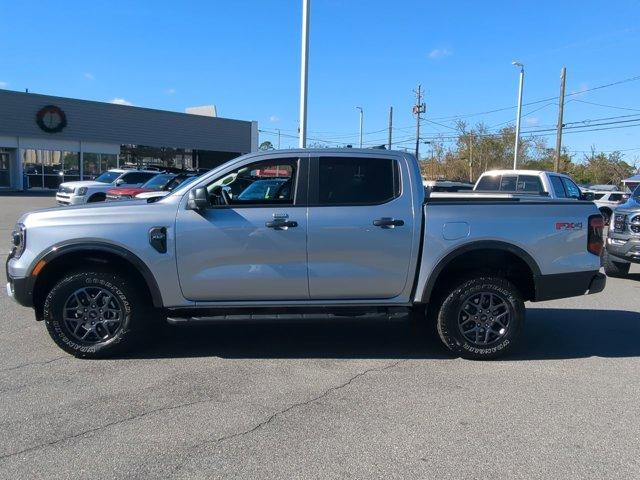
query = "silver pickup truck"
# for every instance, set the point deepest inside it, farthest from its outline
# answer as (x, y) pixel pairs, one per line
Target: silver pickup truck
(298, 233)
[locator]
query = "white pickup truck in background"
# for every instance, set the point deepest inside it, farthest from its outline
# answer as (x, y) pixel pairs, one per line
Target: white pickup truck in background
(541, 182)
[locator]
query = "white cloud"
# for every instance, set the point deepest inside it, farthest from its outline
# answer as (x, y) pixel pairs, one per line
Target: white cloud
(4, 84)
(120, 101)
(532, 121)
(89, 76)
(440, 53)
(274, 119)
(170, 91)
(582, 90)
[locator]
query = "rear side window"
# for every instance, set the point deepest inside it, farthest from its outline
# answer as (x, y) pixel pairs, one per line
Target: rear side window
(357, 180)
(558, 187)
(489, 182)
(529, 183)
(598, 196)
(571, 188)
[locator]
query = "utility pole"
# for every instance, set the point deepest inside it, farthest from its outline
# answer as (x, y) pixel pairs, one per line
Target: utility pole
(390, 125)
(361, 121)
(418, 108)
(471, 159)
(278, 138)
(304, 71)
(519, 114)
(563, 77)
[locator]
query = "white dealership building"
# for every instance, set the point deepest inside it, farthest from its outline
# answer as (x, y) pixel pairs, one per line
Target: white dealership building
(45, 140)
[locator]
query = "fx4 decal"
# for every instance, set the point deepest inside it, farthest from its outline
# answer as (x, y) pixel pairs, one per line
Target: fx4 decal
(568, 225)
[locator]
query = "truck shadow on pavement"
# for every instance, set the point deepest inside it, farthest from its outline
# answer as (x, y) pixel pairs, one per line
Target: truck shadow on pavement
(549, 334)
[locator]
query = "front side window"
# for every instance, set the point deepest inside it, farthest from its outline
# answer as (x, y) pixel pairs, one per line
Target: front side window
(616, 197)
(262, 183)
(558, 187)
(357, 181)
(572, 189)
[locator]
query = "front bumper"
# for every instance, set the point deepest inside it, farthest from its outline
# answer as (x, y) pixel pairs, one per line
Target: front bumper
(626, 248)
(70, 199)
(20, 289)
(563, 285)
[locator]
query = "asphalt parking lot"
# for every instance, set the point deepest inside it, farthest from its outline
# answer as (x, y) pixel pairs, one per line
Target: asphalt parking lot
(339, 399)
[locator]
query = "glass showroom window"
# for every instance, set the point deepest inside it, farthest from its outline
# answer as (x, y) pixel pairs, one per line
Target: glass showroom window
(48, 168)
(94, 164)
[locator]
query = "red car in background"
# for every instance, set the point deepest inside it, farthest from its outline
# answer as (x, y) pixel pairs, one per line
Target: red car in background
(163, 182)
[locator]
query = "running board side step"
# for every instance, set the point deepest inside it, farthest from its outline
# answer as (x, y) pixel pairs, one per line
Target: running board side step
(390, 314)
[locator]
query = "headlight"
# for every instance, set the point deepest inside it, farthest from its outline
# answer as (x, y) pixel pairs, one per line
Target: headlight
(18, 240)
(81, 191)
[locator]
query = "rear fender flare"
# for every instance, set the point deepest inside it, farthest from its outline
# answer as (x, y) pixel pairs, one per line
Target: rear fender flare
(470, 247)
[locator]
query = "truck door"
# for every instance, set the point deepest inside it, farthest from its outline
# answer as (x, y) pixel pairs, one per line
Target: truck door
(361, 225)
(251, 244)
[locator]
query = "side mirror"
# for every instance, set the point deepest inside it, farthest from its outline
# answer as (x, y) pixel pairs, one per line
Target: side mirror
(198, 199)
(119, 181)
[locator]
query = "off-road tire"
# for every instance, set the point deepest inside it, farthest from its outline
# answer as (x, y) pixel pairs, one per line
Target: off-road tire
(130, 301)
(613, 268)
(450, 310)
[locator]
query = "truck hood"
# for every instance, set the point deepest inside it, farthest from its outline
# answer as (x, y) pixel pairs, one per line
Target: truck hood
(630, 206)
(153, 194)
(127, 191)
(84, 183)
(82, 213)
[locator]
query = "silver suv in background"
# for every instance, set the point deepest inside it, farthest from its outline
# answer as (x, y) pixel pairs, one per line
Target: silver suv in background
(623, 240)
(89, 191)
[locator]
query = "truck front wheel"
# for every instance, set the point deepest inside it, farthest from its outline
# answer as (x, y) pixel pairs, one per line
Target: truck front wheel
(481, 318)
(92, 314)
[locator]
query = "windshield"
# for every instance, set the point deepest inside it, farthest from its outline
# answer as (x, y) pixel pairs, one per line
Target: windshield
(636, 192)
(178, 181)
(262, 190)
(158, 182)
(108, 177)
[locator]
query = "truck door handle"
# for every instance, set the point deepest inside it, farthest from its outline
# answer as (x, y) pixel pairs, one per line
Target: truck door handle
(281, 224)
(388, 222)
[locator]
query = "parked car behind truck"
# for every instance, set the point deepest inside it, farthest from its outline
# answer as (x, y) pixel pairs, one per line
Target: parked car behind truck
(352, 233)
(540, 182)
(623, 239)
(91, 191)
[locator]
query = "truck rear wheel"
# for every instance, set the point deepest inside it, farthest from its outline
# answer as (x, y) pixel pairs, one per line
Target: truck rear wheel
(481, 318)
(92, 314)
(613, 268)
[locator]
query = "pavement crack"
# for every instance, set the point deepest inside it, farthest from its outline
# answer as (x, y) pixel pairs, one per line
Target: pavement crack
(104, 426)
(294, 406)
(261, 424)
(33, 363)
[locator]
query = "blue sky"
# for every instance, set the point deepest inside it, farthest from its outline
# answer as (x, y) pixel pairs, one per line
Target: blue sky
(244, 57)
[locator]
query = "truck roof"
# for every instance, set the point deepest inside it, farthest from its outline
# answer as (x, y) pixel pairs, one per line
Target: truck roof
(521, 172)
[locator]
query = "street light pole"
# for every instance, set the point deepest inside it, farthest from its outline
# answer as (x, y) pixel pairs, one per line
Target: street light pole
(361, 120)
(519, 114)
(304, 70)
